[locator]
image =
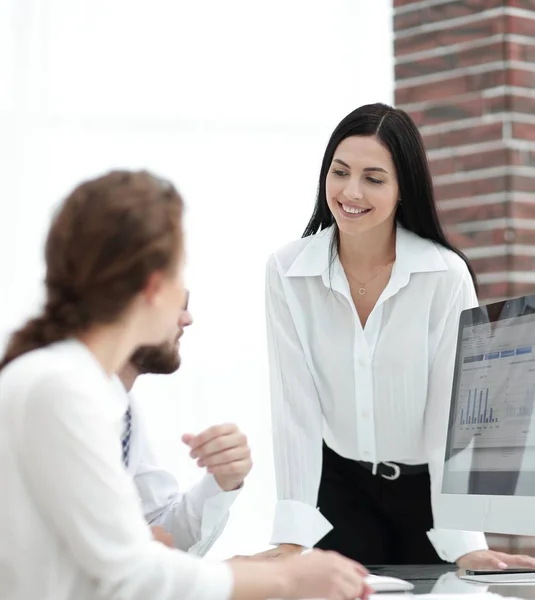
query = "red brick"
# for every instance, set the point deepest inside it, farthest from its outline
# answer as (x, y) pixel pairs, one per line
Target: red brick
(521, 78)
(442, 12)
(524, 236)
(442, 95)
(480, 55)
(398, 3)
(488, 185)
(470, 162)
(476, 239)
(484, 212)
(460, 107)
(524, 158)
(521, 289)
(522, 263)
(520, 25)
(464, 84)
(448, 36)
(494, 290)
(466, 214)
(520, 104)
(503, 262)
(522, 210)
(468, 107)
(449, 87)
(524, 4)
(466, 189)
(468, 32)
(491, 264)
(488, 132)
(453, 60)
(523, 131)
(506, 291)
(520, 52)
(501, 289)
(483, 160)
(522, 183)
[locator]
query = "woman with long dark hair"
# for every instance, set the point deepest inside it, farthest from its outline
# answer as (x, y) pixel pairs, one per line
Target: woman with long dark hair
(71, 524)
(362, 322)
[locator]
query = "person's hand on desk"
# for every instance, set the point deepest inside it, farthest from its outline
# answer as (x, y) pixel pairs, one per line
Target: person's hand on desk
(317, 574)
(224, 451)
(490, 559)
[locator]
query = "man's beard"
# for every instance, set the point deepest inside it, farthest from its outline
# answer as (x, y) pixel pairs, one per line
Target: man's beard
(156, 360)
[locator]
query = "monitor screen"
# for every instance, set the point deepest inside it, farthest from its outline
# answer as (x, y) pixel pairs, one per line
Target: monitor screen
(491, 435)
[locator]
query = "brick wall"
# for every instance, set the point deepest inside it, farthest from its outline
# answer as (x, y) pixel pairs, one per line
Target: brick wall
(465, 71)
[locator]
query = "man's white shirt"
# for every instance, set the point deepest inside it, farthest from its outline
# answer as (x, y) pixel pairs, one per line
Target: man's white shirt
(195, 518)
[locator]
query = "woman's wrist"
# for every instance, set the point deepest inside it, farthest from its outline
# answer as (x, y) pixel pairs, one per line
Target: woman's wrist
(290, 548)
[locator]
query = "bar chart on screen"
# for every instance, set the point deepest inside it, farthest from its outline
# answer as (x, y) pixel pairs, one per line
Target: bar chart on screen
(495, 402)
(477, 408)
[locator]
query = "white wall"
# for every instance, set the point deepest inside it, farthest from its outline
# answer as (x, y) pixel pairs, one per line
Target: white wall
(234, 101)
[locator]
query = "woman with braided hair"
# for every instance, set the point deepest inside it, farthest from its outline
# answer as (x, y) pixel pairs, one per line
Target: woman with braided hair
(71, 525)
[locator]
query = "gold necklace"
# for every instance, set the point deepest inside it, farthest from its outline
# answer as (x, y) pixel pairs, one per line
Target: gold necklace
(362, 286)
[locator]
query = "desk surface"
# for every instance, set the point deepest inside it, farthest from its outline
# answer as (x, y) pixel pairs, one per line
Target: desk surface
(442, 579)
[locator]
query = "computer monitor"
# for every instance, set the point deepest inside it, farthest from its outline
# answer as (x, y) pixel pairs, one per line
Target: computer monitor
(489, 468)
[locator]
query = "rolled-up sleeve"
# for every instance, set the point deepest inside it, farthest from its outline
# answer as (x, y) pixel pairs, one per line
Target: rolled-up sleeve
(195, 519)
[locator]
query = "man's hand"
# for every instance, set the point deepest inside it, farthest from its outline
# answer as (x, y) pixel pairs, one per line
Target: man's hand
(224, 451)
(160, 535)
(490, 559)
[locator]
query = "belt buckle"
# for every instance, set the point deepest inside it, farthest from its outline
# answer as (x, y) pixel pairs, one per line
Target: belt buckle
(395, 468)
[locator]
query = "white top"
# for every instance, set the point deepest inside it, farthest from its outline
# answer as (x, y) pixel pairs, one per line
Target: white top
(376, 394)
(195, 518)
(71, 525)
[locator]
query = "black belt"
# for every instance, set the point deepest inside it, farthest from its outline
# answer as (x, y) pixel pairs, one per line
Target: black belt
(390, 470)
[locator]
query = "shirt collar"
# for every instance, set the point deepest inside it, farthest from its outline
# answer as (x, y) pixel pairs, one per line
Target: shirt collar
(413, 255)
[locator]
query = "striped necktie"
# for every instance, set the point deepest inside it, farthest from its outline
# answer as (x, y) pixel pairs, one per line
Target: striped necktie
(127, 434)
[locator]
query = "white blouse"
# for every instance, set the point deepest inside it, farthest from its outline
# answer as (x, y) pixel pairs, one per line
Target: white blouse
(376, 394)
(71, 523)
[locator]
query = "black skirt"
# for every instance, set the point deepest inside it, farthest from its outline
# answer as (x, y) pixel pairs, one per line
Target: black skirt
(376, 520)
